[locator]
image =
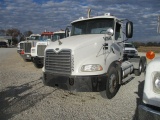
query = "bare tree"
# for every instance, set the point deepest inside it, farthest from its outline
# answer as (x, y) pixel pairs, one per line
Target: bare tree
(2, 32)
(13, 32)
(27, 33)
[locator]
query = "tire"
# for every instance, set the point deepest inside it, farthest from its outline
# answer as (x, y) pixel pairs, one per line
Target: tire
(38, 65)
(112, 83)
(26, 60)
(144, 63)
(138, 71)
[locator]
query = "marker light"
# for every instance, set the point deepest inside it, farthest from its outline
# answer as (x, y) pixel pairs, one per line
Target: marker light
(150, 54)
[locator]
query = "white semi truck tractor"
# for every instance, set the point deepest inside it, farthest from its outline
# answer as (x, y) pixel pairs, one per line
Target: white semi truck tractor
(26, 46)
(37, 52)
(20, 45)
(92, 58)
(150, 109)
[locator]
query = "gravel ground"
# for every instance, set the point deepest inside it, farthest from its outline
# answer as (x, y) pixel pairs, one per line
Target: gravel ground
(23, 96)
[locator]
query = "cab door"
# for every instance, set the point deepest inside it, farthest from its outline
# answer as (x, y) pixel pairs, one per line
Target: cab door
(118, 44)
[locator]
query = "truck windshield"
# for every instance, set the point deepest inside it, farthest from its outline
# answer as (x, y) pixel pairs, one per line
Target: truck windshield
(35, 37)
(57, 36)
(92, 26)
(129, 46)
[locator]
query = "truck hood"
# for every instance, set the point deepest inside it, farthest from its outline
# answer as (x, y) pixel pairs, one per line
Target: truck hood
(42, 43)
(76, 42)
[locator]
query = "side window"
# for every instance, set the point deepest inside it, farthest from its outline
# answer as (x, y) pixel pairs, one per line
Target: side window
(117, 33)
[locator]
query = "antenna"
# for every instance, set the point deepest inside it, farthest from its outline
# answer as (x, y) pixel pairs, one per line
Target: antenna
(89, 11)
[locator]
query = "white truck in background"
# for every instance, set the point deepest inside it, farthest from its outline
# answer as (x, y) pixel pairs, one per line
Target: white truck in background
(37, 52)
(150, 109)
(130, 50)
(25, 46)
(20, 45)
(91, 59)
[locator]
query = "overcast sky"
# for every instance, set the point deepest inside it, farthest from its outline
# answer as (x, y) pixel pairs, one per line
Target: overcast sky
(53, 15)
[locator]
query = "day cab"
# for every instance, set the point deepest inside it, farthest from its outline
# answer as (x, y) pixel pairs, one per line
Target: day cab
(91, 59)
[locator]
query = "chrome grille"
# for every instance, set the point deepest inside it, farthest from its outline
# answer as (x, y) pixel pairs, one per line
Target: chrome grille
(27, 47)
(21, 45)
(58, 63)
(130, 51)
(40, 50)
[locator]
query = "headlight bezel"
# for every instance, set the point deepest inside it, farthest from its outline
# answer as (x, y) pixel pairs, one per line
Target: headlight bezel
(91, 68)
(156, 82)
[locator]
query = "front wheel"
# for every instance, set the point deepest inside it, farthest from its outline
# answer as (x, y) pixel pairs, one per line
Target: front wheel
(144, 63)
(26, 60)
(38, 65)
(112, 83)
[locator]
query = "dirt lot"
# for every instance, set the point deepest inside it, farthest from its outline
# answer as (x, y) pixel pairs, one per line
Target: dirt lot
(146, 49)
(23, 96)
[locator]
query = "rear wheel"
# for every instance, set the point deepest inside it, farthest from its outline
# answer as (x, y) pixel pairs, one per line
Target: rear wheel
(112, 83)
(138, 71)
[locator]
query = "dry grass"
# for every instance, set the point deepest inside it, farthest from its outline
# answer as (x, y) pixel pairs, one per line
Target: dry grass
(146, 49)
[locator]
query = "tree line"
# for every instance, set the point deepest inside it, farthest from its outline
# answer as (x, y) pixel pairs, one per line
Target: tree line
(16, 34)
(147, 44)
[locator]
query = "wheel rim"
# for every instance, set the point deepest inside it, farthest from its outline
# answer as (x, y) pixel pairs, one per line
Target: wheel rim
(112, 83)
(140, 67)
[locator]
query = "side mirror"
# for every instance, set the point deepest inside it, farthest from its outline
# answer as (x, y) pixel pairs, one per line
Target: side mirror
(129, 29)
(67, 32)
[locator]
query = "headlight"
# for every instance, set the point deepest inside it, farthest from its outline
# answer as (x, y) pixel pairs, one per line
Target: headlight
(91, 68)
(156, 82)
(33, 51)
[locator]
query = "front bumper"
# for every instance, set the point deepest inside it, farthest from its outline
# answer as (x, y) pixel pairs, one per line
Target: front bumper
(76, 83)
(26, 56)
(18, 51)
(148, 113)
(131, 54)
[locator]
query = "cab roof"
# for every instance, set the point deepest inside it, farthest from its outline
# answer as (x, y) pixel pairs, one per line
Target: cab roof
(61, 31)
(95, 17)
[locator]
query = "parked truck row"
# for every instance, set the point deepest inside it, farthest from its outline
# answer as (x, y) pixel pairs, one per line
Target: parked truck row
(94, 56)
(32, 49)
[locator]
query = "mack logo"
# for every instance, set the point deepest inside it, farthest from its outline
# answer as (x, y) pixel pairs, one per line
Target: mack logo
(57, 49)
